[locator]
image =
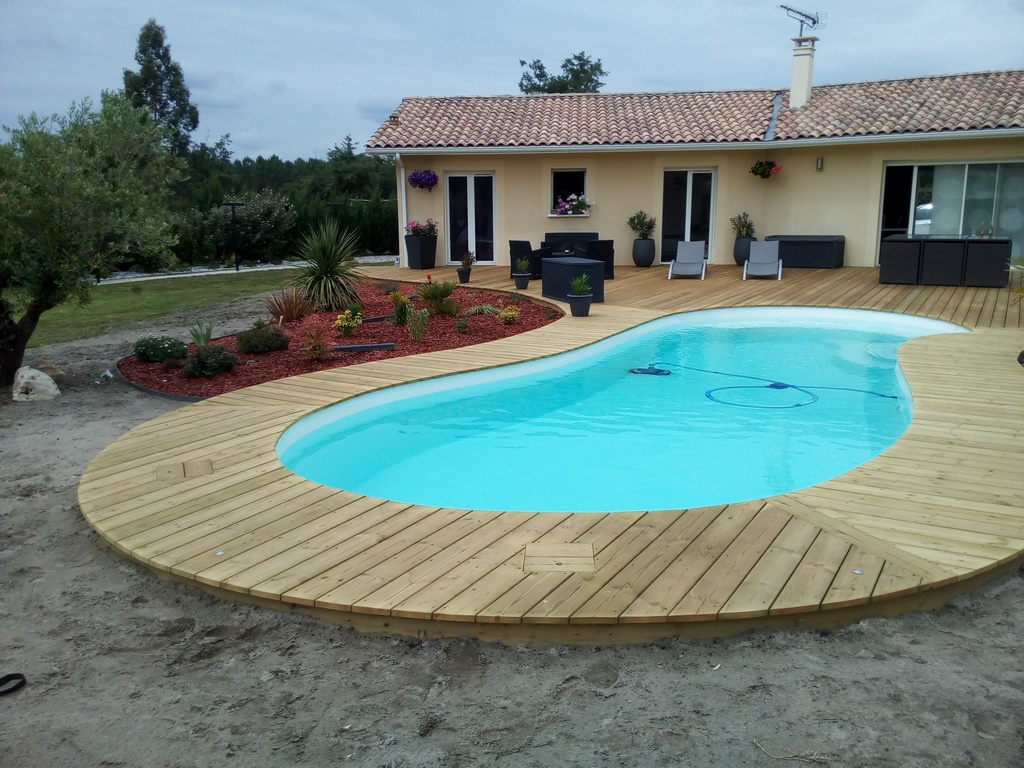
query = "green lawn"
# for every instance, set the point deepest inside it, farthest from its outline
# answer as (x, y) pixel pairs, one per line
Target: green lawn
(121, 305)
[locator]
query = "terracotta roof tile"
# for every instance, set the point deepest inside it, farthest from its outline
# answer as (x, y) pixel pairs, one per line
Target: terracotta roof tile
(976, 101)
(579, 119)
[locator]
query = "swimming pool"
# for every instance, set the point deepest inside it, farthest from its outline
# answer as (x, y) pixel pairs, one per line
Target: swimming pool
(755, 402)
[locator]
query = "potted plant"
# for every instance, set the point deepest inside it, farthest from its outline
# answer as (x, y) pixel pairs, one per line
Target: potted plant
(467, 266)
(765, 168)
(743, 228)
(421, 244)
(573, 205)
(423, 180)
(522, 274)
(580, 295)
(643, 246)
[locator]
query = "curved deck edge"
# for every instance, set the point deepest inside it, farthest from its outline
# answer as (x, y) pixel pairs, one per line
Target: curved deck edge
(939, 513)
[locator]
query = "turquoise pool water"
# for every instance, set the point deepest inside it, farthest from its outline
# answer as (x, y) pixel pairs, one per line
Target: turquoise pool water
(757, 402)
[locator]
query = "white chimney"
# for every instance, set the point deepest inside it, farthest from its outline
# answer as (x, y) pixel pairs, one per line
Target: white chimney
(803, 66)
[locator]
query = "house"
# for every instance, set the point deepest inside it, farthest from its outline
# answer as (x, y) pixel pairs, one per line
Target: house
(925, 155)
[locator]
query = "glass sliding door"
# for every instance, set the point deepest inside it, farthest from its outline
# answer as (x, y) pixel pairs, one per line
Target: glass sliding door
(470, 217)
(980, 199)
(955, 199)
(686, 210)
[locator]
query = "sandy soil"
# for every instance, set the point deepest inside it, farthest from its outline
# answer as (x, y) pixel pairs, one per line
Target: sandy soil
(126, 669)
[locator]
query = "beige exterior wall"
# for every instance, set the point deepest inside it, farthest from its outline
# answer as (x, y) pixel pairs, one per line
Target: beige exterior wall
(844, 198)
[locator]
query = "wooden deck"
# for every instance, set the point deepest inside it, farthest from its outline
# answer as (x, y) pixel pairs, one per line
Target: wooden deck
(199, 494)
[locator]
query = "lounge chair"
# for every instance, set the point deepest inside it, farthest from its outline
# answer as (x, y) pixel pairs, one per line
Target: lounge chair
(689, 261)
(764, 260)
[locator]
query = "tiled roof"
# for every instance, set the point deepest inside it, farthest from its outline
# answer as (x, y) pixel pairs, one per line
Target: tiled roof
(577, 119)
(976, 101)
(919, 105)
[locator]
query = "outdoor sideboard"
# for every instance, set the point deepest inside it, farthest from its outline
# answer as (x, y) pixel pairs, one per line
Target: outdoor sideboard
(558, 272)
(939, 260)
(811, 251)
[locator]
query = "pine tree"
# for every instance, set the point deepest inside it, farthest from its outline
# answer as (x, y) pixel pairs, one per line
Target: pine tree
(579, 75)
(159, 86)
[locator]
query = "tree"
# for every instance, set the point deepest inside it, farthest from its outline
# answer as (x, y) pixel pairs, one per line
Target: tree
(261, 229)
(159, 86)
(579, 75)
(77, 194)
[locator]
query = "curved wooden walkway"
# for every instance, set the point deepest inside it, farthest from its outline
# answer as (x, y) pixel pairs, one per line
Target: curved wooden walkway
(199, 494)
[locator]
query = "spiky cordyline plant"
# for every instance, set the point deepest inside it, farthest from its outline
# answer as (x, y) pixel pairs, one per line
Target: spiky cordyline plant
(330, 273)
(289, 305)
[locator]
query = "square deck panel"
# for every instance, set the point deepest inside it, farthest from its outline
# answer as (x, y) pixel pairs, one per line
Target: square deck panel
(563, 558)
(559, 272)
(184, 470)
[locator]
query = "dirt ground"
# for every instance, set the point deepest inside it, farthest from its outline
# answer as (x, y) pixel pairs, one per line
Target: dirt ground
(126, 669)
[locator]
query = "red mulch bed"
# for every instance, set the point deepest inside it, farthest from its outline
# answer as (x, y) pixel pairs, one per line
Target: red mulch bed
(256, 369)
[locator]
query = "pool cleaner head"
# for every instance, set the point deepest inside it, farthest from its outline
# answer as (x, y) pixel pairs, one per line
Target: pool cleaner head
(650, 370)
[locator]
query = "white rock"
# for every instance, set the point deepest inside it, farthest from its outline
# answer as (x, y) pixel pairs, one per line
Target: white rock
(30, 384)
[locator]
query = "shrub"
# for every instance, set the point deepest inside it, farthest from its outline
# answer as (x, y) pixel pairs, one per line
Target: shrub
(315, 345)
(508, 315)
(435, 296)
(461, 325)
(347, 322)
(262, 338)
(290, 305)
(418, 324)
(197, 233)
(208, 361)
(330, 273)
(642, 224)
(481, 309)
(201, 333)
(517, 297)
(261, 229)
(401, 305)
(157, 349)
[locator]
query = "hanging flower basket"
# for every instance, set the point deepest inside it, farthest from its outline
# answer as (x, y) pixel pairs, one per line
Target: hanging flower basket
(765, 168)
(423, 180)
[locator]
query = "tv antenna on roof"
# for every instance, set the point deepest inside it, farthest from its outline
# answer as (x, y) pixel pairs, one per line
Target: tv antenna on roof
(810, 20)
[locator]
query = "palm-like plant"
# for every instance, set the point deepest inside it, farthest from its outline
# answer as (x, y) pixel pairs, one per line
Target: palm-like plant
(330, 273)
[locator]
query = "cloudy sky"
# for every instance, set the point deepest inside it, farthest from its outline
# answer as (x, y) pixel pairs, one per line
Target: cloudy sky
(294, 77)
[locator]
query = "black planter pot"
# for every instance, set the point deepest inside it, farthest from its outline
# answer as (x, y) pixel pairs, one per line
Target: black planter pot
(522, 280)
(579, 304)
(421, 251)
(463, 274)
(643, 252)
(741, 249)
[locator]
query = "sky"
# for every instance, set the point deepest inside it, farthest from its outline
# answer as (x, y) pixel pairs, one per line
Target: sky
(293, 78)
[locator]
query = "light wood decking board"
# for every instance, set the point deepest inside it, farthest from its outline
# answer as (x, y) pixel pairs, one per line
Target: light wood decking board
(944, 504)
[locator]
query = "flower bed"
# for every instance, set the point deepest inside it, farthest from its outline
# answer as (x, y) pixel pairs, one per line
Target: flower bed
(441, 333)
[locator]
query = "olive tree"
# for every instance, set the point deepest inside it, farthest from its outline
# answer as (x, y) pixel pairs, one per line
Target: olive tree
(78, 193)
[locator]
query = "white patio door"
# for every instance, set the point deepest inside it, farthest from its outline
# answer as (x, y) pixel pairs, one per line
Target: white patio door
(470, 216)
(686, 208)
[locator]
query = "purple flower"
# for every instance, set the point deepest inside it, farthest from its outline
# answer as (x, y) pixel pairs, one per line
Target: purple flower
(423, 180)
